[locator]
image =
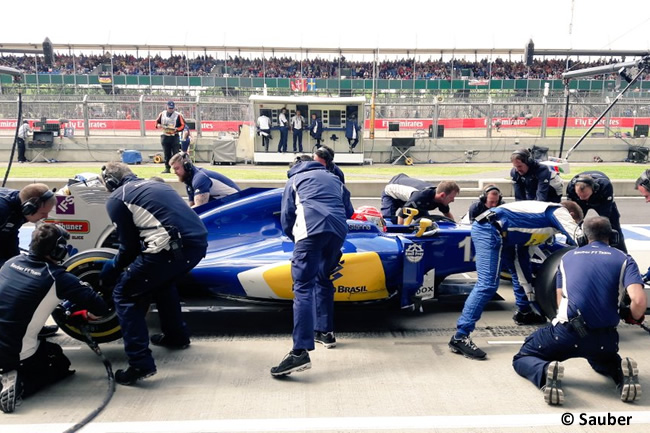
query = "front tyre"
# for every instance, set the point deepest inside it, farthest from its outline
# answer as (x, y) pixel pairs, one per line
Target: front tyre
(86, 266)
(545, 283)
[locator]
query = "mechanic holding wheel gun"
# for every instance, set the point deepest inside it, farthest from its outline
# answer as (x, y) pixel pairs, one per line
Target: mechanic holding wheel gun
(591, 283)
(315, 209)
(161, 239)
(504, 233)
(31, 286)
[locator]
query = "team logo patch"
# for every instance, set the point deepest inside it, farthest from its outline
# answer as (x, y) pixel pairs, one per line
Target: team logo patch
(414, 253)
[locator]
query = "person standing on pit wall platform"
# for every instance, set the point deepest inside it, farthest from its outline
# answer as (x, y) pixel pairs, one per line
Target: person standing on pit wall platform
(283, 124)
(315, 209)
(297, 125)
(504, 234)
(352, 130)
(172, 123)
(316, 129)
(264, 130)
(594, 190)
(591, 284)
(532, 180)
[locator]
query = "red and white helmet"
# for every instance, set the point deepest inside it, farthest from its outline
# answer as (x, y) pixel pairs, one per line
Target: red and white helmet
(370, 214)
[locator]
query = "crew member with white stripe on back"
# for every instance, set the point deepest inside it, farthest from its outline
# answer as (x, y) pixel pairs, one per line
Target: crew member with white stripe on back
(504, 233)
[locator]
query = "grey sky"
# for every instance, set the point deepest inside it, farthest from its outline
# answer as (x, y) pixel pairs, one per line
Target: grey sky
(596, 24)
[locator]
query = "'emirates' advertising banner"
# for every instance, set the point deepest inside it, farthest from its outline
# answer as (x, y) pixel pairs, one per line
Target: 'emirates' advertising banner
(404, 124)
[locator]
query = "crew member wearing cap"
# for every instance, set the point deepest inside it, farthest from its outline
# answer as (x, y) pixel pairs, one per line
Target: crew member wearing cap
(172, 123)
(31, 286)
(405, 192)
(594, 190)
(325, 155)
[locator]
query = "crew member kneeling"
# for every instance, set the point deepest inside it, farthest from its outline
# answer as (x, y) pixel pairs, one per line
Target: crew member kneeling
(31, 286)
(591, 283)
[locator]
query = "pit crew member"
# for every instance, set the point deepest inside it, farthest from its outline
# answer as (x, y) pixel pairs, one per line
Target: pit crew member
(591, 283)
(325, 155)
(31, 286)
(202, 185)
(172, 123)
(404, 191)
(315, 209)
(160, 239)
(532, 180)
(594, 190)
(503, 234)
(643, 186)
(489, 198)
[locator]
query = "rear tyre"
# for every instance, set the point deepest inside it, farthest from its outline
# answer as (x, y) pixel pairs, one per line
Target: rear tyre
(545, 290)
(87, 266)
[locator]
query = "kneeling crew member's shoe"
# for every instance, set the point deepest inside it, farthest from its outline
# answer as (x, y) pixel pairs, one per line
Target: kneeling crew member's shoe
(630, 387)
(48, 331)
(10, 391)
(529, 318)
(131, 375)
(327, 339)
(466, 347)
(553, 393)
(165, 341)
(295, 361)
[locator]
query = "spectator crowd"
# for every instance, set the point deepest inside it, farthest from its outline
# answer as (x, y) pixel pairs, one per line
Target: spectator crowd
(287, 67)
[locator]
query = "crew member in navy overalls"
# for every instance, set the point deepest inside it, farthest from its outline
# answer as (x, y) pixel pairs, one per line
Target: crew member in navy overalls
(202, 185)
(591, 284)
(532, 180)
(594, 190)
(403, 191)
(161, 239)
(489, 198)
(315, 209)
(31, 286)
(316, 129)
(283, 125)
(504, 233)
(352, 130)
(325, 155)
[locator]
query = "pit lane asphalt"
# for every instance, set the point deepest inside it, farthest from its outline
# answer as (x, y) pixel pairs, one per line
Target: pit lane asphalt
(391, 371)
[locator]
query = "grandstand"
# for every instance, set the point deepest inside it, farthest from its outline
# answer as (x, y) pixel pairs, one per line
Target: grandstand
(441, 97)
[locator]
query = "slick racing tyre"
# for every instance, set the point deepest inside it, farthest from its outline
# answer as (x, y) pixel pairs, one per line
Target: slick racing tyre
(87, 266)
(545, 290)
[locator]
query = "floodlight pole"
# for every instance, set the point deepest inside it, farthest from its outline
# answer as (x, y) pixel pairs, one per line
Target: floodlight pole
(566, 115)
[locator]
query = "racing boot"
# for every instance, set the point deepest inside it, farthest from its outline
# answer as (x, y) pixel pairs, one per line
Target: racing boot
(327, 339)
(164, 341)
(529, 318)
(553, 394)
(630, 387)
(295, 361)
(466, 347)
(131, 375)
(10, 391)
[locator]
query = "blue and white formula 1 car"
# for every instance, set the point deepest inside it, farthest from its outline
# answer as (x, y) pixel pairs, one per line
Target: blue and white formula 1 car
(248, 256)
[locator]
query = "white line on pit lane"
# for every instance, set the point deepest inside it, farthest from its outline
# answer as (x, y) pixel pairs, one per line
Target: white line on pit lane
(348, 424)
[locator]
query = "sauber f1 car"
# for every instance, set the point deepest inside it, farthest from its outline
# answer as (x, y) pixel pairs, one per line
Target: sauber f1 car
(248, 256)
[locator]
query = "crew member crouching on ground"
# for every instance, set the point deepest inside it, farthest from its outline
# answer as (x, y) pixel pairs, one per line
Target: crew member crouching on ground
(31, 286)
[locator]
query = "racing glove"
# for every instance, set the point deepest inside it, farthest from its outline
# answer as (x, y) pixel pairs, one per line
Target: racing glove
(109, 274)
(626, 316)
